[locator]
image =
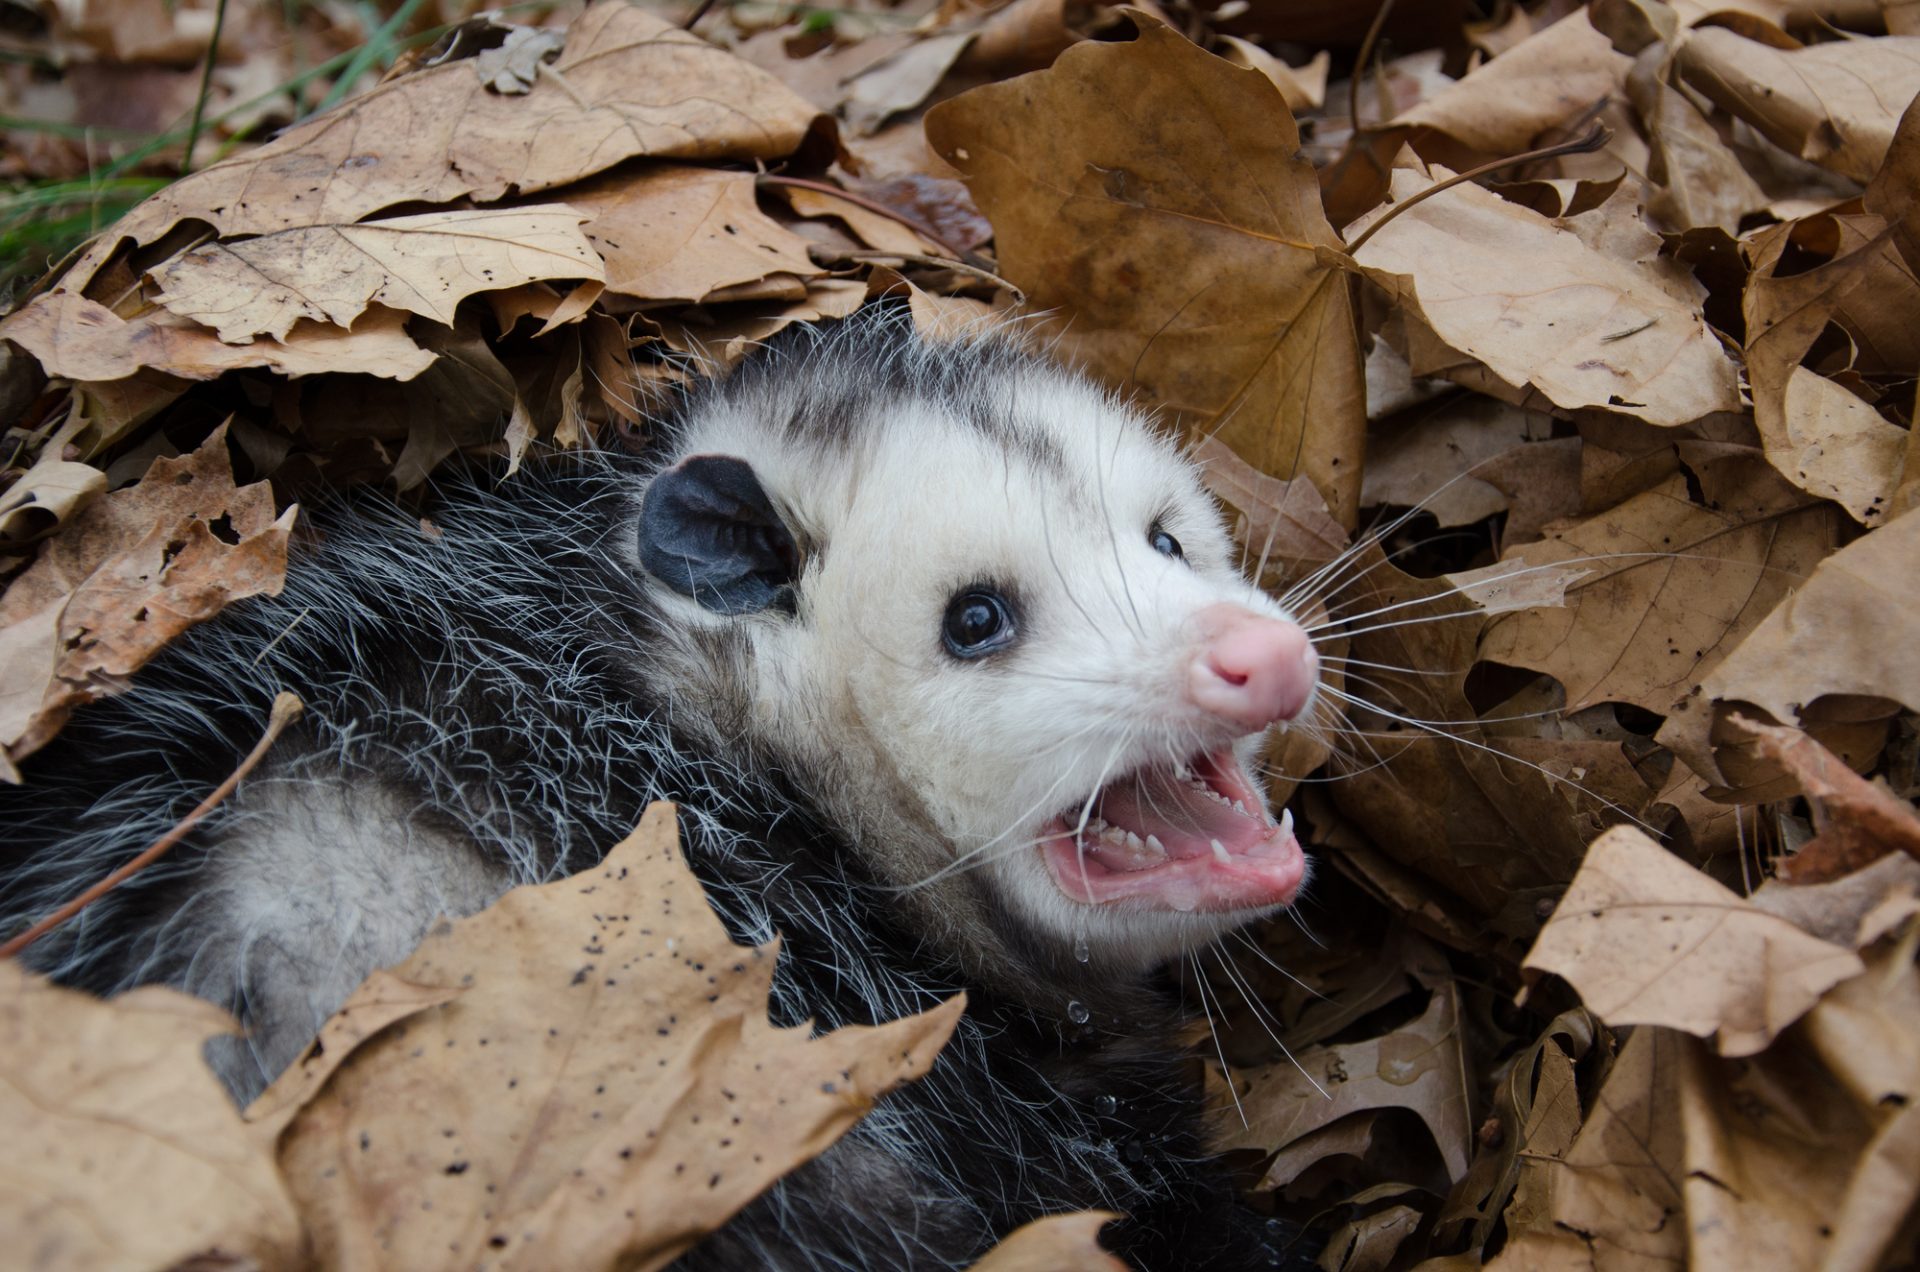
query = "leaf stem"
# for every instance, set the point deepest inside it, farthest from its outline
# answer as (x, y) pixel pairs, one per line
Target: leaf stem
(1593, 140)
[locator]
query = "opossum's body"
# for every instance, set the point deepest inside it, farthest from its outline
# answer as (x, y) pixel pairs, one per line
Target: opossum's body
(493, 700)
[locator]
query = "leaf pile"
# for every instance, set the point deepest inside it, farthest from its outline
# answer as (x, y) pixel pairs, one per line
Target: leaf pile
(1592, 468)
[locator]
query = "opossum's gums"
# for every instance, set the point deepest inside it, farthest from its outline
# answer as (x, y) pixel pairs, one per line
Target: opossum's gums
(1183, 837)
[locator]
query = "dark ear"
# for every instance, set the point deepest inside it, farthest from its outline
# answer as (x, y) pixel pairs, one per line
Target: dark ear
(708, 531)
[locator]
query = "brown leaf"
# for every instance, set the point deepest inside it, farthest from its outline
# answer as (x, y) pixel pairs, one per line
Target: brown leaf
(81, 340)
(1819, 435)
(124, 1150)
(1168, 216)
(586, 1102)
(1419, 1067)
(1836, 104)
(126, 576)
(1673, 587)
(1488, 834)
(1858, 822)
(1436, 459)
(424, 264)
(1281, 522)
(1545, 82)
(627, 85)
(1540, 307)
(1697, 177)
(1054, 1243)
(1830, 636)
(1648, 940)
(49, 493)
(682, 233)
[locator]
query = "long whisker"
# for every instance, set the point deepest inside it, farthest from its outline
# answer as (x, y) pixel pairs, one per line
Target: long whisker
(1200, 981)
(1544, 771)
(1261, 1018)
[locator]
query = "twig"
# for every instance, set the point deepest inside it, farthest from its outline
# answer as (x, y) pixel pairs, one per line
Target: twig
(1582, 145)
(1360, 64)
(872, 205)
(699, 12)
(286, 709)
(206, 86)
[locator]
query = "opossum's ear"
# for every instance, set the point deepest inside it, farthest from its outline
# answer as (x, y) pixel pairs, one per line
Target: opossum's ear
(708, 531)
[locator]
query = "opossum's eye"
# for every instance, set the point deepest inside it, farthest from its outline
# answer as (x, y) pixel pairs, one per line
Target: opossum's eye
(1164, 543)
(708, 531)
(978, 622)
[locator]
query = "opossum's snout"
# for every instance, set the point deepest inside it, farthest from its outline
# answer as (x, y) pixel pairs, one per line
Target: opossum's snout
(1248, 670)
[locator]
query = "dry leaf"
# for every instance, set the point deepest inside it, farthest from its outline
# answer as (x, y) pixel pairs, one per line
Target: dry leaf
(1830, 636)
(627, 85)
(1303, 87)
(126, 576)
(1513, 584)
(1836, 104)
(81, 340)
(1439, 460)
(1672, 587)
(682, 233)
(1834, 445)
(1648, 940)
(1419, 1068)
(1545, 82)
(587, 1101)
(1858, 822)
(123, 1149)
(1540, 307)
(51, 492)
(1285, 523)
(424, 264)
(1052, 1244)
(1168, 216)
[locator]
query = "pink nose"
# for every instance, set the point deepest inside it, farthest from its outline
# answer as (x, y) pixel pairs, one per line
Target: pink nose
(1250, 670)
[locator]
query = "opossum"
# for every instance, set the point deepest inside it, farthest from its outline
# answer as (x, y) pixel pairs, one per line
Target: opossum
(944, 656)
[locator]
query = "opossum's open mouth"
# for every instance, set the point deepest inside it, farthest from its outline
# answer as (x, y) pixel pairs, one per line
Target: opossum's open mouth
(1193, 836)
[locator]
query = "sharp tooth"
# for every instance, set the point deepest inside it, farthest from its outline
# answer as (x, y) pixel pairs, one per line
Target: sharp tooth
(1134, 842)
(1181, 771)
(1154, 843)
(1238, 807)
(1220, 852)
(1286, 821)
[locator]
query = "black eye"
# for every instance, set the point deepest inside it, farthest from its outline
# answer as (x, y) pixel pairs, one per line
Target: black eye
(1164, 543)
(977, 623)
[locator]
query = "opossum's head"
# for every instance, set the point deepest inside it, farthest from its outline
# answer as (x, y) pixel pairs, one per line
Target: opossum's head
(992, 621)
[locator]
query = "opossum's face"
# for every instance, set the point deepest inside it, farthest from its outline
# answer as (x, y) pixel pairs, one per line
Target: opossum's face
(1006, 630)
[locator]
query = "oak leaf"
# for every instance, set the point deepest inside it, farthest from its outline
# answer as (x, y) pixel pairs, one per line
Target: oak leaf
(1672, 586)
(1053, 1243)
(80, 339)
(123, 1148)
(677, 232)
(604, 1090)
(425, 264)
(1839, 633)
(1836, 104)
(131, 572)
(1529, 298)
(626, 85)
(1648, 940)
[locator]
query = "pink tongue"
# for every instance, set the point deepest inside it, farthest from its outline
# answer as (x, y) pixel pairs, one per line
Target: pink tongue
(1185, 819)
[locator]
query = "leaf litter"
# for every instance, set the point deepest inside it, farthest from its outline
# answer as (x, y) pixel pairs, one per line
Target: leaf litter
(1593, 472)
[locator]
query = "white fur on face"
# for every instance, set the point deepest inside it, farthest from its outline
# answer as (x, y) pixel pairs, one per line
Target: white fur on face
(1051, 502)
